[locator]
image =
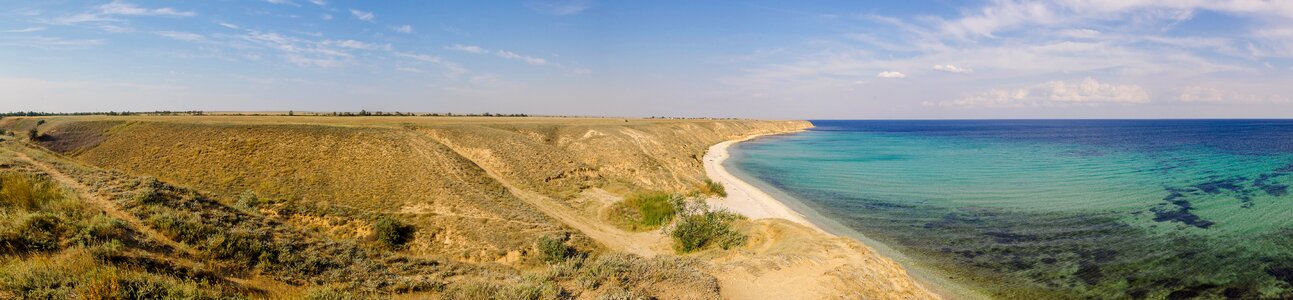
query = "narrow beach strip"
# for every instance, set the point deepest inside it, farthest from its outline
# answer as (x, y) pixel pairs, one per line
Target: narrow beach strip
(742, 197)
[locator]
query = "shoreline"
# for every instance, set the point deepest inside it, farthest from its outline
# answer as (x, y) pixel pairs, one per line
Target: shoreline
(748, 200)
(742, 197)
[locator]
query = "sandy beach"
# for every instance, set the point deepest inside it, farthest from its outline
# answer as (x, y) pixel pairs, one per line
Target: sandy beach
(742, 197)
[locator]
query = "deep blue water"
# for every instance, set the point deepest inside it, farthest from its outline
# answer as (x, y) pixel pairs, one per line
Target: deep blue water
(1057, 208)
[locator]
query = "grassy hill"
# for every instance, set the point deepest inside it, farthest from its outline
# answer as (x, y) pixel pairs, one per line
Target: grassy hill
(426, 171)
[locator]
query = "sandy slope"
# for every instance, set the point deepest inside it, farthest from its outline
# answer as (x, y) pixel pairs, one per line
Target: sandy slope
(790, 258)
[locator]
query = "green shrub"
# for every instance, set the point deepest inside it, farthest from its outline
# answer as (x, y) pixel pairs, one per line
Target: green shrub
(553, 250)
(392, 233)
(699, 227)
(99, 229)
(710, 187)
(248, 200)
(28, 232)
(644, 211)
(149, 193)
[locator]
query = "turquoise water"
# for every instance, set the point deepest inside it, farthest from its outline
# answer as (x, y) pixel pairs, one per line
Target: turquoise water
(1056, 209)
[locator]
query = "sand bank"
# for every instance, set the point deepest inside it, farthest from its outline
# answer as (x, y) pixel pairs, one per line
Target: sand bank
(742, 197)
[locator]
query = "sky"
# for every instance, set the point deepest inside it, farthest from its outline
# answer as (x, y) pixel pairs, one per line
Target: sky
(756, 59)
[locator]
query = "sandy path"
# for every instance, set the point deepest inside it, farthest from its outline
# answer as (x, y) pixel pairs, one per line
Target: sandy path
(645, 244)
(102, 204)
(742, 197)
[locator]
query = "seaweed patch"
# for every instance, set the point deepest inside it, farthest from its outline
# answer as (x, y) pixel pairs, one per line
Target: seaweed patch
(1177, 209)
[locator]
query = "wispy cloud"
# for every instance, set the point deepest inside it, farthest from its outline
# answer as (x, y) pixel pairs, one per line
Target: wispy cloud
(228, 25)
(560, 7)
(452, 70)
(52, 43)
(179, 35)
(952, 69)
(283, 2)
(105, 13)
(1055, 93)
(126, 9)
(500, 53)
(353, 44)
(1207, 94)
(362, 15)
(466, 48)
(24, 30)
(403, 29)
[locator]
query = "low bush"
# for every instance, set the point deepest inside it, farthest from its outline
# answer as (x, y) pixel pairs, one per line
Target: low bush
(644, 211)
(712, 188)
(248, 200)
(698, 227)
(554, 250)
(392, 233)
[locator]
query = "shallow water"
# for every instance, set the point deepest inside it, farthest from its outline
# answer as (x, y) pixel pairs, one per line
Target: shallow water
(1057, 209)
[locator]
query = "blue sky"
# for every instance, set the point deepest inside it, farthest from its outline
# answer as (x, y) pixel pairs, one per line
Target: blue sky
(760, 59)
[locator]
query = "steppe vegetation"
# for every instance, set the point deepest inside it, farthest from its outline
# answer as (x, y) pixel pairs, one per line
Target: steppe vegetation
(332, 207)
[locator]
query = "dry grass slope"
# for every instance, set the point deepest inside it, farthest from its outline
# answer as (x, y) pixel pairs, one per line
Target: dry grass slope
(480, 193)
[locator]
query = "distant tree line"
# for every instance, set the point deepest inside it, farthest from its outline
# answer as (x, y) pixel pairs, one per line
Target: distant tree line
(365, 113)
(689, 118)
(101, 113)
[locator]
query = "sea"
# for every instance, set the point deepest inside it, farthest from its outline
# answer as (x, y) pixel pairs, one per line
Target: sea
(1052, 209)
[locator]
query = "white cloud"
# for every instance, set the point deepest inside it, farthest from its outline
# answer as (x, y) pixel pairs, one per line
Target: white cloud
(42, 42)
(1055, 93)
(1080, 33)
(952, 69)
(362, 15)
(228, 25)
(102, 13)
(121, 8)
(452, 70)
(353, 44)
(284, 2)
(319, 2)
(560, 7)
(891, 74)
(326, 17)
(310, 53)
(1204, 94)
(183, 36)
(466, 48)
(527, 59)
(410, 70)
(28, 29)
(403, 29)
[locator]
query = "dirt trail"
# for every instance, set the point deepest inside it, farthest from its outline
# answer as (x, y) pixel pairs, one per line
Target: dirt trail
(646, 244)
(104, 205)
(84, 193)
